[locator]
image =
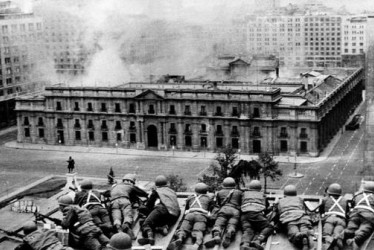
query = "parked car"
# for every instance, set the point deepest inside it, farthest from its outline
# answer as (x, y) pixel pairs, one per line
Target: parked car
(354, 123)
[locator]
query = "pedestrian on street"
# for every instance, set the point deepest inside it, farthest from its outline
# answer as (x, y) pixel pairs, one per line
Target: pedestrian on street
(71, 164)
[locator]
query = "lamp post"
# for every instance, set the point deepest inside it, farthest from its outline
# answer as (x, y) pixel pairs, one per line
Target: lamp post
(117, 148)
(173, 147)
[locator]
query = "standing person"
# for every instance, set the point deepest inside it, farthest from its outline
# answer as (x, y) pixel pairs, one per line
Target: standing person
(162, 209)
(40, 239)
(227, 202)
(334, 209)
(253, 218)
(71, 164)
(291, 212)
(80, 223)
(122, 195)
(198, 207)
(90, 199)
(361, 218)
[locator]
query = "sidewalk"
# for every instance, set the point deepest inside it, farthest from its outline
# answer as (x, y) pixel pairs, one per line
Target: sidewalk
(176, 154)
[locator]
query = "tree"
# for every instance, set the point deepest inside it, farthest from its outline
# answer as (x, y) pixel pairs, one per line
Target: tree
(220, 168)
(269, 168)
(176, 183)
(245, 168)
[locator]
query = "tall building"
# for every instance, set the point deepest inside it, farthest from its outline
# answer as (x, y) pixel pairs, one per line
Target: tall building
(21, 37)
(281, 116)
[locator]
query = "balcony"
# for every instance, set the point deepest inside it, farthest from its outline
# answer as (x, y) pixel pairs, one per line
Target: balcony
(218, 133)
(203, 113)
(283, 135)
(256, 134)
(235, 114)
(77, 126)
(218, 114)
(132, 129)
(303, 136)
(91, 127)
(173, 131)
(187, 113)
(59, 125)
(203, 131)
(235, 134)
(188, 132)
(172, 112)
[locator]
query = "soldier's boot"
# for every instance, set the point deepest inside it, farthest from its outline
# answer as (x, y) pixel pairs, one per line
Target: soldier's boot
(245, 246)
(258, 243)
(127, 229)
(149, 239)
(227, 238)
(216, 239)
(164, 230)
(353, 244)
(176, 244)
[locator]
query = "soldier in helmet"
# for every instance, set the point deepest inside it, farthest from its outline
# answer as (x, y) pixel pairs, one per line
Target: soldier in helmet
(227, 202)
(91, 199)
(198, 207)
(334, 209)
(291, 212)
(80, 223)
(361, 218)
(40, 239)
(119, 241)
(253, 208)
(162, 209)
(122, 196)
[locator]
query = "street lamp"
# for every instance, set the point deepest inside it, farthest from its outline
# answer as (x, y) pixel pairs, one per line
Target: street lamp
(173, 147)
(117, 148)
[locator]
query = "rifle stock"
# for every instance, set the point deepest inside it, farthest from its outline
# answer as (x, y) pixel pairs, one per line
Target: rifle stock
(39, 216)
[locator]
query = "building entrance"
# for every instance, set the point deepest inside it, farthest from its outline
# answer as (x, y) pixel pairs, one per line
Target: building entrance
(152, 136)
(60, 137)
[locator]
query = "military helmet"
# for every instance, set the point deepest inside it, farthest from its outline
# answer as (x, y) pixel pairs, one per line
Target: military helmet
(201, 188)
(29, 227)
(86, 184)
(65, 200)
(129, 177)
(255, 185)
(290, 190)
(334, 189)
(229, 182)
(161, 181)
(369, 186)
(120, 241)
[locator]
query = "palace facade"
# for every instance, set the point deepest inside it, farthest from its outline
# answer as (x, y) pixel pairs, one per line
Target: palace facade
(297, 116)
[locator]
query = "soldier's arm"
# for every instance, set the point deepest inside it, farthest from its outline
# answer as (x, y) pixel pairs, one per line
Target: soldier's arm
(140, 192)
(68, 218)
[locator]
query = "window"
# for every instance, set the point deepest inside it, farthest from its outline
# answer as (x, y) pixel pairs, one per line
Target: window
(303, 133)
(172, 110)
(219, 142)
(283, 132)
(132, 108)
(219, 131)
(203, 128)
(132, 138)
(202, 110)
(234, 131)
(103, 107)
(256, 146)
(235, 143)
(187, 110)
(203, 142)
(90, 124)
(188, 141)
(26, 121)
(78, 135)
(104, 125)
(118, 125)
(235, 111)
(40, 121)
(91, 136)
(187, 129)
(27, 132)
(256, 112)
(104, 136)
(119, 137)
(41, 133)
(77, 124)
(151, 109)
(58, 106)
(89, 106)
(283, 146)
(59, 123)
(218, 111)
(117, 108)
(76, 106)
(256, 132)
(132, 126)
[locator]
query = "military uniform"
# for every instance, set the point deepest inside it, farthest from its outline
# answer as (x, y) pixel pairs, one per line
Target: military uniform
(90, 199)
(333, 210)
(121, 197)
(79, 222)
(361, 218)
(292, 215)
(162, 209)
(253, 218)
(42, 239)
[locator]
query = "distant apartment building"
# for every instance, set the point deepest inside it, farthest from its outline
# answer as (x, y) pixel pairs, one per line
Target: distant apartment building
(21, 36)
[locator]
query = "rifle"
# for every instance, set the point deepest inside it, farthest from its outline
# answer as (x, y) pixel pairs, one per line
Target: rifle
(12, 233)
(41, 217)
